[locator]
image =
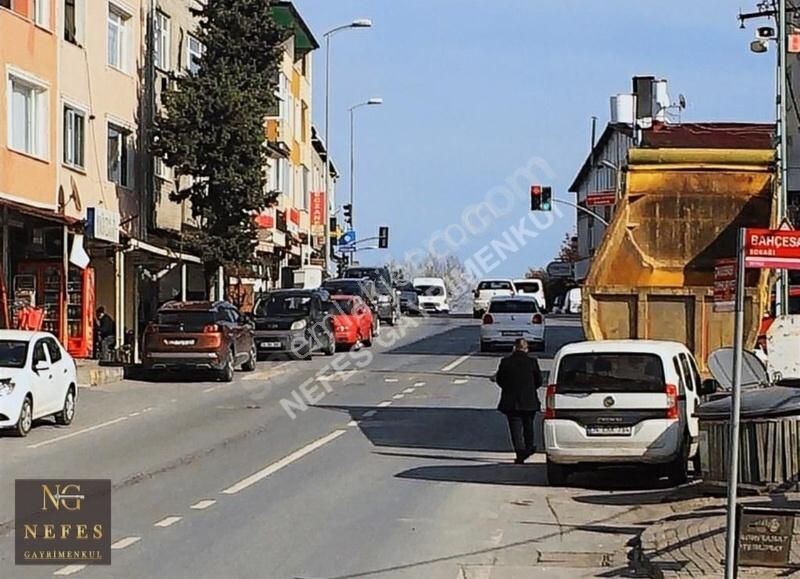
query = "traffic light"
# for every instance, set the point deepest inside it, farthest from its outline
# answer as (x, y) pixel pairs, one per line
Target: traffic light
(383, 237)
(347, 208)
(334, 228)
(541, 198)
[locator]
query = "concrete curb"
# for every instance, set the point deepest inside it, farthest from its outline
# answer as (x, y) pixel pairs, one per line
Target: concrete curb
(100, 375)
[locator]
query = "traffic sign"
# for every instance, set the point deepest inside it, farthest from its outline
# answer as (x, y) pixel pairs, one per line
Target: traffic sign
(347, 238)
(561, 269)
(724, 284)
(601, 198)
(771, 248)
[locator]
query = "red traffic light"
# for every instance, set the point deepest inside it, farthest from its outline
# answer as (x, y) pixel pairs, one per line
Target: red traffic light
(536, 189)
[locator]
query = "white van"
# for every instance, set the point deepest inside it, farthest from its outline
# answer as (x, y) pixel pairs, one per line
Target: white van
(622, 401)
(486, 290)
(531, 287)
(432, 294)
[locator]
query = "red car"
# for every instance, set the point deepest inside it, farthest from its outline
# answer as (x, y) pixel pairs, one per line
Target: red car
(352, 321)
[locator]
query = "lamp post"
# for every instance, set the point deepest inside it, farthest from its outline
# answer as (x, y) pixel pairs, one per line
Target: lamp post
(372, 101)
(359, 23)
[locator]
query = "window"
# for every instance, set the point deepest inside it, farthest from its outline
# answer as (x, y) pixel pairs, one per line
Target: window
(687, 373)
(38, 352)
(194, 52)
(28, 126)
(118, 22)
(53, 349)
(304, 122)
(74, 131)
(5, 4)
(679, 371)
(161, 169)
(610, 372)
(41, 13)
(71, 21)
(162, 41)
(119, 155)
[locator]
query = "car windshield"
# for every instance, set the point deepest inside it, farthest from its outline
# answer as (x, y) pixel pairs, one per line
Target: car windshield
(342, 305)
(405, 287)
(494, 285)
(189, 321)
(347, 287)
(431, 290)
(379, 276)
(527, 287)
(610, 372)
(283, 305)
(13, 353)
(527, 306)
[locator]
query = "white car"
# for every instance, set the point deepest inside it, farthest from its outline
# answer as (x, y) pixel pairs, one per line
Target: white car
(621, 402)
(531, 287)
(432, 294)
(486, 290)
(510, 318)
(37, 379)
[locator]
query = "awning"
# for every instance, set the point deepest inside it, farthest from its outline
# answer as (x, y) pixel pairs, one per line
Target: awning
(40, 212)
(137, 244)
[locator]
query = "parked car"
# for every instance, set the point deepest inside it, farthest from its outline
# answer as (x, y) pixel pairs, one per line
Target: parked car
(352, 321)
(532, 287)
(432, 294)
(388, 306)
(37, 379)
(486, 290)
(361, 287)
(298, 322)
(622, 402)
(199, 335)
(510, 318)
(409, 298)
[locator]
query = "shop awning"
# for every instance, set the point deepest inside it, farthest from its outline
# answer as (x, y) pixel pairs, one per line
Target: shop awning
(137, 244)
(40, 212)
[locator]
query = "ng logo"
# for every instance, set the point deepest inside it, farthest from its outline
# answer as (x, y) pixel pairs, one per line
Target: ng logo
(59, 497)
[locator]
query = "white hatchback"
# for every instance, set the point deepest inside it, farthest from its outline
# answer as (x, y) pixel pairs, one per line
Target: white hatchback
(37, 379)
(510, 318)
(624, 401)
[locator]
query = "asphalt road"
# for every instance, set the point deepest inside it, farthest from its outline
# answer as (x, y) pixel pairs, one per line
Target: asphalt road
(394, 464)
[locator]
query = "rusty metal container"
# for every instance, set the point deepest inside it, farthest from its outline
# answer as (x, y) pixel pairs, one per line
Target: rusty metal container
(653, 275)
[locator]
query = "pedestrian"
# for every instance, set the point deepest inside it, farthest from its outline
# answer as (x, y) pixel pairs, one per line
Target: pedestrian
(106, 331)
(519, 378)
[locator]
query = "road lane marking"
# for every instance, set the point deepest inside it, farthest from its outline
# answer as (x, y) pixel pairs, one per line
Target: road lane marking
(398, 396)
(390, 380)
(148, 409)
(370, 413)
(78, 432)
(132, 414)
(384, 404)
(284, 462)
(408, 390)
(69, 569)
(202, 505)
(126, 542)
(456, 362)
(352, 423)
(418, 384)
(460, 381)
(167, 521)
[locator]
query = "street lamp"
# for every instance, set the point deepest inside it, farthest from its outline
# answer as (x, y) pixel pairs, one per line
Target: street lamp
(372, 101)
(358, 23)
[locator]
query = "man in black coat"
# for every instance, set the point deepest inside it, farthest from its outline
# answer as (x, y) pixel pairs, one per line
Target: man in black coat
(519, 377)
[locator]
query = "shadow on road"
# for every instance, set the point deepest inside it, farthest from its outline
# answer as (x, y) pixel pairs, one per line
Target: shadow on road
(494, 474)
(453, 342)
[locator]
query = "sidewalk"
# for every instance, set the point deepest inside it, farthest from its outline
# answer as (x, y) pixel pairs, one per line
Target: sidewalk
(91, 373)
(691, 542)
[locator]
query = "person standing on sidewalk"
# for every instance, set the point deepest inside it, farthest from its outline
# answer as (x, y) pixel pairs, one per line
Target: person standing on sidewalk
(106, 333)
(519, 378)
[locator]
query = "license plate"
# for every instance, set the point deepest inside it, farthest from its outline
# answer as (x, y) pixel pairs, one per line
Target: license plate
(606, 430)
(179, 342)
(512, 333)
(270, 345)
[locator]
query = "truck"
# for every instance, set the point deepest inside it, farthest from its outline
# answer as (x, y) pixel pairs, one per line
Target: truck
(677, 218)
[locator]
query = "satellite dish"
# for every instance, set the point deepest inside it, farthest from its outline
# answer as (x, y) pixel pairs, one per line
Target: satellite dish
(76, 195)
(754, 373)
(681, 101)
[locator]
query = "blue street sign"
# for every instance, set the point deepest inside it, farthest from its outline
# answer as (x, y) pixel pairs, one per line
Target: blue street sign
(347, 238)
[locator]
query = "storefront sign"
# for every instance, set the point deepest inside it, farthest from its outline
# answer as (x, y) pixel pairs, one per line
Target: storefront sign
(318, 213)
(772, 248)
(724, 284)
(102, 224)
(266, 219)
(601, 198)
(764, 536)
(293, 220)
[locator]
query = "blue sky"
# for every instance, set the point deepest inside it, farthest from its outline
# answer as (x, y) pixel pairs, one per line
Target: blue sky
(475, 89)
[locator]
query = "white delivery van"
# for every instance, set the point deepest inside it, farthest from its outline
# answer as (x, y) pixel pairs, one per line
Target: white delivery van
(432, 294)
(621, 402)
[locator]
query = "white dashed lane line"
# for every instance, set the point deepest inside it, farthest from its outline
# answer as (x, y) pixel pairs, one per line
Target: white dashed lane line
(460, 381)
(202, 505)
(284, 462)
(69, 570)
(390, 380)
(408, 390)
(384, 404)
(126, 542)
(398, 396)
(78, 432)
(418, 384)
(456, 362)
(167, 521)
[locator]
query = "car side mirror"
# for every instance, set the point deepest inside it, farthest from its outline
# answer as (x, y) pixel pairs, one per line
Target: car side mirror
(708, 387)
(40, 366)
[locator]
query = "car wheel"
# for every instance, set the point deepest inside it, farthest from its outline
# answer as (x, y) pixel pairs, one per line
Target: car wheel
(330, 350)
(67, 414)
(226, 374)
(23, 426)
(250, 363)
(557, 474)
(368, 340)
(678, 469)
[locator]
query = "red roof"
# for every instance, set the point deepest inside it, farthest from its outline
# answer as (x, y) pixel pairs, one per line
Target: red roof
(710, 136)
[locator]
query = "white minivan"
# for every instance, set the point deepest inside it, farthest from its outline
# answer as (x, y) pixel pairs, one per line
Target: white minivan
(614, 402)
(531, 287)
(432, 294)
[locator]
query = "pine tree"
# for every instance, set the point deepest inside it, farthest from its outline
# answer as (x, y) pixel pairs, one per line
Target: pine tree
(212, 127)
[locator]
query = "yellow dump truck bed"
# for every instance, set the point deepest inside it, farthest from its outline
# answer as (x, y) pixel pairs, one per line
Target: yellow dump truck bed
(653, 275)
